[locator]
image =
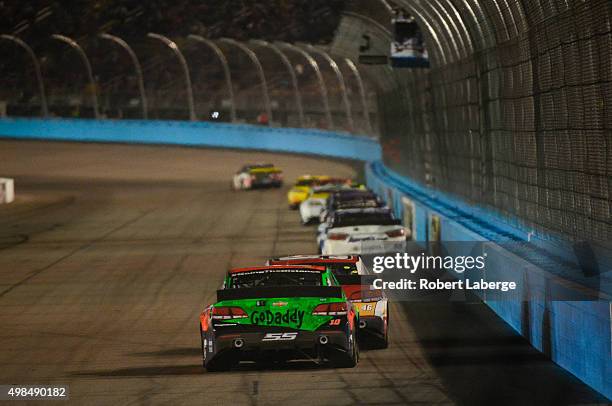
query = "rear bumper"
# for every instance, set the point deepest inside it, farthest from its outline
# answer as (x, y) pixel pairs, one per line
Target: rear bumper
(266, 183)
(372, 325)
(310, 213)
(294, 199)
(288, 343)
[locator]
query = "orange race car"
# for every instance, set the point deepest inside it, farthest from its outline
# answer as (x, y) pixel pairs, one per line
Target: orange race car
(350, 271)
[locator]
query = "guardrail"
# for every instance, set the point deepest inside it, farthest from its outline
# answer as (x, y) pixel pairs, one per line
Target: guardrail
(304, 141)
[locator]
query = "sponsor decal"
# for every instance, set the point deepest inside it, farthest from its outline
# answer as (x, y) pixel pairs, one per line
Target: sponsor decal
(366, 309)
(279, 337)
(270, 318)
(280, 304)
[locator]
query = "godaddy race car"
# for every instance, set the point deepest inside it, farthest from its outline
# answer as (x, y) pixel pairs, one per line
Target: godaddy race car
(273, 313)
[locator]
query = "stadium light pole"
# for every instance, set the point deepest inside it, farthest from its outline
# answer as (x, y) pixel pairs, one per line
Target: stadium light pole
(226, 70)
(74, 45)
(39, 79)
(291, 69)
(364, 102)
(262, 76)
(341, 82)
(172, 45)
(322, 86)
(137, 68)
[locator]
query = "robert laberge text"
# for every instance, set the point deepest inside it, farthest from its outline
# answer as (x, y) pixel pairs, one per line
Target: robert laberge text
(437, 284)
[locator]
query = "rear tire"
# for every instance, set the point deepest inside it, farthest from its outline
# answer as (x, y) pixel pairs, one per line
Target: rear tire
(350, 359)
(218, 363)
(203, 347)
(385, 340)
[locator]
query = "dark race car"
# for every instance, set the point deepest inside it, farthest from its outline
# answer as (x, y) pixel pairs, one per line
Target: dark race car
(271, 313)
(350, 199)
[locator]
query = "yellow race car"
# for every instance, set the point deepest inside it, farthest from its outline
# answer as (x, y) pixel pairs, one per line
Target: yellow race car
(300, 191)
(304, 185)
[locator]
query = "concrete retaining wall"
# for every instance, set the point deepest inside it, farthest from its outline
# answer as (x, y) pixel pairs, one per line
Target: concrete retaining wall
(575, 334)
(305, 141)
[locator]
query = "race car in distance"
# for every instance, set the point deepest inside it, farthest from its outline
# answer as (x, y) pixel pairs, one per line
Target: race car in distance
(300, 191)
(270, 313)
(311, 208)
(257, 176)
(344, 200)
(370, 304)
(350, 199)
(360, 231)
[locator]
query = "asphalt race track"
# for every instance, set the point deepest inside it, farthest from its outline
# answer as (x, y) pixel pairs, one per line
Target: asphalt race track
(111, 251)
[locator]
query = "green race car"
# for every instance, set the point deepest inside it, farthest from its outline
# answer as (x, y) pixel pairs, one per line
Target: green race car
(271, 313)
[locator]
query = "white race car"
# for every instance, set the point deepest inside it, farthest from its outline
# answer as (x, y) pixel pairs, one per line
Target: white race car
(311, 208)
(362, 231)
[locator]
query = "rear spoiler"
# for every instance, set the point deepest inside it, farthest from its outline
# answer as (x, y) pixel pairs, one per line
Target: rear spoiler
(265, 170)
(355, 279)
(280, 291)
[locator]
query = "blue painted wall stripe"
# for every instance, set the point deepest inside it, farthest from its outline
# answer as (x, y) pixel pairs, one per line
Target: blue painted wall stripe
(576, 335)
(307, 141)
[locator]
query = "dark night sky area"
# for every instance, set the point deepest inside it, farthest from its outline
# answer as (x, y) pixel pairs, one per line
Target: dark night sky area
(289, 20)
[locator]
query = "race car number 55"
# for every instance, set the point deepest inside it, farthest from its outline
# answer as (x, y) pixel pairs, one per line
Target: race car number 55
(279, 336)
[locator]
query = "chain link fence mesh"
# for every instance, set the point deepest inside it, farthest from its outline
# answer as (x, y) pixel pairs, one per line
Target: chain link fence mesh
(515, 112)
(116, 84)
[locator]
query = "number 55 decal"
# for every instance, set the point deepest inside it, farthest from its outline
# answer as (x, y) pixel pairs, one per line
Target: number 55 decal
(279, 336)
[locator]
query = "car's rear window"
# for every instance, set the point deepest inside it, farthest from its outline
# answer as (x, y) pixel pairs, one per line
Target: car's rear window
(304, 182)
(357, 203)
(341, 196)
(284, 277)
(365, 219)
